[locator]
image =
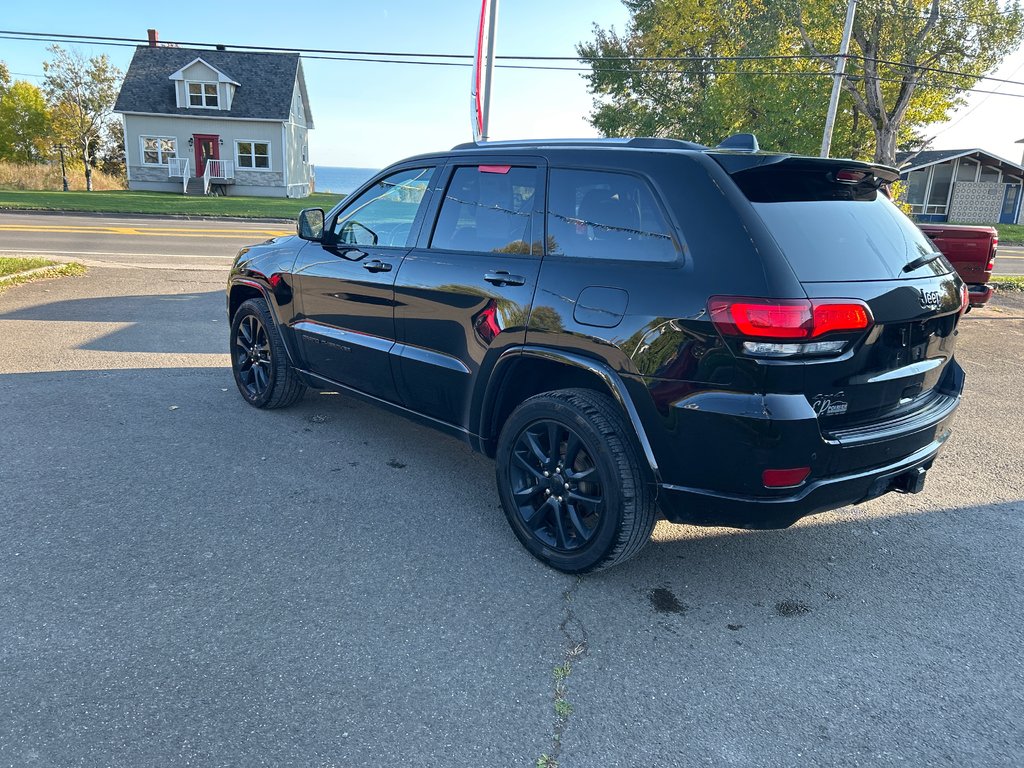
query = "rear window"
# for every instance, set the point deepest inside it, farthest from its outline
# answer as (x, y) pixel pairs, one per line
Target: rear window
(832, 231)
(845, 240)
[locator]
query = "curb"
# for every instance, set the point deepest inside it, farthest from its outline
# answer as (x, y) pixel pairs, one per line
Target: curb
(181, 216)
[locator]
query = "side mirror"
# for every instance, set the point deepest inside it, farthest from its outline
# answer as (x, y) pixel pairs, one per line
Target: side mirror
(311, 224)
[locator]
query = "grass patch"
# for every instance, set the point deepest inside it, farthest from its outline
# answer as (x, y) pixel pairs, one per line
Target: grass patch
(164, 203)
(1008, 284)
(47, 176)
(1010, 233)
(11, 266)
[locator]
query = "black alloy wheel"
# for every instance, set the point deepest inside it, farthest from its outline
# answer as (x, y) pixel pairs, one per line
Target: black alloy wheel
(557, 485)
(252, 356)
(574, 485)
(259, 361)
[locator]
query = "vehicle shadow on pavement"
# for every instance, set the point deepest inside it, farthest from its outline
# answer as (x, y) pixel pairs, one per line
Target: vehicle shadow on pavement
(148, 323)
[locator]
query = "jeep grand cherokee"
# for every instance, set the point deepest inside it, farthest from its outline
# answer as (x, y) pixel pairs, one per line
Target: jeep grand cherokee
(726, 336)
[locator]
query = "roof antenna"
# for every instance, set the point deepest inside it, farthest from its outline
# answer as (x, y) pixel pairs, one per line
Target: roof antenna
(483, 67)
(740, 142)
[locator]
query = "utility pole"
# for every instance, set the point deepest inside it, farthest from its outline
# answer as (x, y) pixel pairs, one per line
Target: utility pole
(837, 83)
(63, 170)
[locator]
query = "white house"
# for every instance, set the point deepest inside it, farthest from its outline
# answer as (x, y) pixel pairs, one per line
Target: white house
(204, 121)
(969, 186)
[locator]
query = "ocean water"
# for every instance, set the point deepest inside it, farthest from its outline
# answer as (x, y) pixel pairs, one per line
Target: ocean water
(340, 180)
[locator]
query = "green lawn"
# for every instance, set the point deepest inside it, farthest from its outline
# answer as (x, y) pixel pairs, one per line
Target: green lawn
(1010, 233)
(166, 203)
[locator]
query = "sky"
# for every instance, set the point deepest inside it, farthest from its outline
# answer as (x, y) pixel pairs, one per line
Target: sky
(369, 115)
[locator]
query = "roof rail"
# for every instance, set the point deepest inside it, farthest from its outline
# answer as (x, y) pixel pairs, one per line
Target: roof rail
(639, 143)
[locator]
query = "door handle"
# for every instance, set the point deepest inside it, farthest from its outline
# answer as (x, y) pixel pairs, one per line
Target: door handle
(501, 278)
(376, 265)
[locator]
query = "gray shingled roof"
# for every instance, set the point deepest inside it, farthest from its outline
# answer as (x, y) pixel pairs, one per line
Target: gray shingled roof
(933, 156)
(266, 81)
(929, 157)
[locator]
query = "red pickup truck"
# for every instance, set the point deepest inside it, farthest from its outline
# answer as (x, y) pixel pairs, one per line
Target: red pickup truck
(972, 251)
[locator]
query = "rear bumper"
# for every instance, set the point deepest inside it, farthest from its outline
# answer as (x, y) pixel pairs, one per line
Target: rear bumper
(699, 507)
(847, 467)
(978, 295)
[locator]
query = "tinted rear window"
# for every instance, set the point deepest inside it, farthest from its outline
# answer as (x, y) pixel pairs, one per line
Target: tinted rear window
(840, 240)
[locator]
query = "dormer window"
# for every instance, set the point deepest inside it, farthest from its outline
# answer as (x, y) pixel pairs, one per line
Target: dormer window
(203, 95)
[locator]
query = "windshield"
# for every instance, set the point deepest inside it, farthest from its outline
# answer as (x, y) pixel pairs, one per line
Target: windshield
(848, 240)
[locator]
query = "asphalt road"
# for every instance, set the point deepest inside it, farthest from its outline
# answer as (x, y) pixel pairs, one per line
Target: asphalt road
(192, 244)
(136, 241)
(187, 581)
(1009, 261)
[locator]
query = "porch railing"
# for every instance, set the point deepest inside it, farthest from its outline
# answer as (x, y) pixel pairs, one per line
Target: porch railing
(217, 169)
(178, 166)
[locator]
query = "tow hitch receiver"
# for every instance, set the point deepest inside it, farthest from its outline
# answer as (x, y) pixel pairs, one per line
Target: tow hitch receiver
(911, 481)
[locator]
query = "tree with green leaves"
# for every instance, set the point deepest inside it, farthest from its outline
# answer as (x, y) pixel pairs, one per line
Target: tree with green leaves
(81, 93)
(24, 122)
(704, 69)
(911, 60)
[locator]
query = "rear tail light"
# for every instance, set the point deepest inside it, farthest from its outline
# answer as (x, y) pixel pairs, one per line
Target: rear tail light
(763, 323)
(992, 256)
(784, 478)
(965, 297)
(848, 176)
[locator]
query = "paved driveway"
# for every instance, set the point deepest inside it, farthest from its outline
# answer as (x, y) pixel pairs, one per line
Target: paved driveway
(187, 581)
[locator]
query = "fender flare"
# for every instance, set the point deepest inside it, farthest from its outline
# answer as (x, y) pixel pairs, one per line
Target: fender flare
(609, 377)
(268, 296)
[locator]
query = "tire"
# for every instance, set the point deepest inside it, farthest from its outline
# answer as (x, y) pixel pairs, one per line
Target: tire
(581, 439)
(259, 361)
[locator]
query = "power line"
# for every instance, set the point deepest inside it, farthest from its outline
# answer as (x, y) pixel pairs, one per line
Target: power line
(408, 58)
(134, 41)
(394, 55)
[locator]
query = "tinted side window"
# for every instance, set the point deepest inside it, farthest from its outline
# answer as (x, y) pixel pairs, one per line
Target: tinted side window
(383, 215)
(488, 208)
(606, 215)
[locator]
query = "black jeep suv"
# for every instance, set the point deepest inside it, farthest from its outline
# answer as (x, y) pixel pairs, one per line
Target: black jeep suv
(733, 337)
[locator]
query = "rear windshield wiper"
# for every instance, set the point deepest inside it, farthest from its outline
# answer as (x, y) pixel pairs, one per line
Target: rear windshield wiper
(920, 261)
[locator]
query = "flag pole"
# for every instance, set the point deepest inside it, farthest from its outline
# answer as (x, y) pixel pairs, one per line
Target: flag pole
(483, 67)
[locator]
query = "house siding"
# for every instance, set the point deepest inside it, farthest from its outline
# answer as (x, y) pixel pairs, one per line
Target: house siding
(975, 201)
(247, 182)
(299, 175)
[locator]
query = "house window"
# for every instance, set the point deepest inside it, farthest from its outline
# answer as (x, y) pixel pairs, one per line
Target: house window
(917, 186)
(203, 95)
(938, 193)
(966, 171)
(157, 150)
(989, 174)
(253, 154)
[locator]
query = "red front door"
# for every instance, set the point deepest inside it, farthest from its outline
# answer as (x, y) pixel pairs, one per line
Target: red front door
(207, 148)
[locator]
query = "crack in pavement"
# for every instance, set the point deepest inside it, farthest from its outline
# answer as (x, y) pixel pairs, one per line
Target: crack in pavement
(576, 646)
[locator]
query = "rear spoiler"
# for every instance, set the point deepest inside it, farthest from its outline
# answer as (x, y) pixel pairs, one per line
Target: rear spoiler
(736, 163)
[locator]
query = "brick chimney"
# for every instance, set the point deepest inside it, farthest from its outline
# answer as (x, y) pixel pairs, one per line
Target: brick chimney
(154, 38)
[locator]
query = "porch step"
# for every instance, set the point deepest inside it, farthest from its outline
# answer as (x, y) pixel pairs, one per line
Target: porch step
(195, 186)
